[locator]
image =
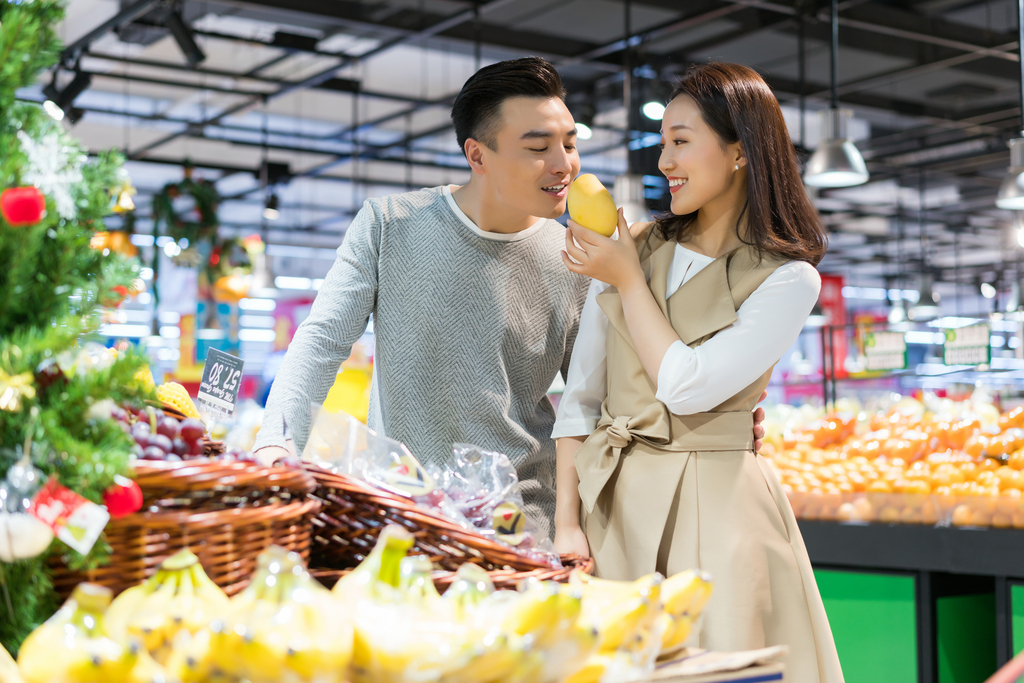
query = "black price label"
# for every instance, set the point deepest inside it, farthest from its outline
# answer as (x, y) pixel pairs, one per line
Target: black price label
(222, 379)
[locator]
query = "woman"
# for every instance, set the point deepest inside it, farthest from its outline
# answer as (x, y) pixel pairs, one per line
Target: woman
(674, 350)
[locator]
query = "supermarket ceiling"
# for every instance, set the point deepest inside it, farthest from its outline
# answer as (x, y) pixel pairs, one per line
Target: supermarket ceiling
(350, 99)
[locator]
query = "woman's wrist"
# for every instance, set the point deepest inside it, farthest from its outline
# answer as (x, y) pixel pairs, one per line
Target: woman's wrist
(632, 282)
(567, 521)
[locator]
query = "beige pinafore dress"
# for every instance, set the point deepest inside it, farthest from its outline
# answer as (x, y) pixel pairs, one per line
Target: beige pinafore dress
(664, 492)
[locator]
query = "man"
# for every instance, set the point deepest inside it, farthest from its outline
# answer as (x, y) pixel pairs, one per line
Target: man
(474, 311)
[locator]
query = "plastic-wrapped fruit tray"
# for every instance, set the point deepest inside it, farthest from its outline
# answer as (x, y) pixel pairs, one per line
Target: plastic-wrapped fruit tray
(226, 511)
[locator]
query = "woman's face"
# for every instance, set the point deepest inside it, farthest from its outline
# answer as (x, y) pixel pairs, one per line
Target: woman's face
(699, 166)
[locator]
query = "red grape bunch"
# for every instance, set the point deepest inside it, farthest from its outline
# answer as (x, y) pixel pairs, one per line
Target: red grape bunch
(171, 441)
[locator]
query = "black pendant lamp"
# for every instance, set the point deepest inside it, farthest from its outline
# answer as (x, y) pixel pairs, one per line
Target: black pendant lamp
(1011, 192)
(836, 162)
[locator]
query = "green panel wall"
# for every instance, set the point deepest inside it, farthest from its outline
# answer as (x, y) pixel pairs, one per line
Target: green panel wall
(1017, 617)
(873, 619)
(966, 626)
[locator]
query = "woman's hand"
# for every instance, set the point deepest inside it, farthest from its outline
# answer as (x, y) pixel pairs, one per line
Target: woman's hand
(571, 540)
(614, 262)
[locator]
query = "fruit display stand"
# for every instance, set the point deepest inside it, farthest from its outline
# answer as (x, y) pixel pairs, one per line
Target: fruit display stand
(911, 515)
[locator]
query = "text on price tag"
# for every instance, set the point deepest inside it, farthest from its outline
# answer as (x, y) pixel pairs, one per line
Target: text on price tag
(222, 379)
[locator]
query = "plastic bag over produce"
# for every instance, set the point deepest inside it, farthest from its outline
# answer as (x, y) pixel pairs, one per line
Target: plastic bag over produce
(478, 489)
(485, 489)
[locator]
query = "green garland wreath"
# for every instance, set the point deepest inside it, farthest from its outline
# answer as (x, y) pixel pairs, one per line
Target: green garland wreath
(227, 256)
(178, 227)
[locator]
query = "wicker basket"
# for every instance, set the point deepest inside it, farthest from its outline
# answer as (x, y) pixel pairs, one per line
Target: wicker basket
(226, 512)
(352, 514)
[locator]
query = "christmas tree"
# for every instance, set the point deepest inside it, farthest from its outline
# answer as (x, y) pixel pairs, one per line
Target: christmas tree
(57, 384)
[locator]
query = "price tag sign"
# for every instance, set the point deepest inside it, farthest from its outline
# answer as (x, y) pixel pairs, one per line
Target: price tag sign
(76, 521)
(222, 378)
(885, 351)
(968, 345)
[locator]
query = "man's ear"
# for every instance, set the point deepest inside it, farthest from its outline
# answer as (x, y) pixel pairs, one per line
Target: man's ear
(474, 155)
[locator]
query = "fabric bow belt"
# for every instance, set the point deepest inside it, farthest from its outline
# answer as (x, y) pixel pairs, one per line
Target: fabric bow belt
(598, 458)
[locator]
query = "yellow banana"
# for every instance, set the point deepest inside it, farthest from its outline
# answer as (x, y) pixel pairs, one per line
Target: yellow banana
(380, 569)
(72, 645)
(208, 591)
(494, 658)
(149, 622)
(124, 607)
(622, 612)
(535, 612)
(414, 582)
(180, 610)
(674, 631)
(615, 666)
(283, 627)
(9, 672)
(470, 588)
(192, 662)
(147, 670)
(622, 624)
(686, 592)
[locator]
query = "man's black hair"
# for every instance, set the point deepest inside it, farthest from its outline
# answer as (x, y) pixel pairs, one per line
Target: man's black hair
(477, 109)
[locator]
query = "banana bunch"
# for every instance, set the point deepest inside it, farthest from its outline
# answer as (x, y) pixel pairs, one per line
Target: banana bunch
(409, 633)
(72, 646)
(379, 573)
(624, 616)
(405, 631)
(283, 628)
(547, 616)
(623, 613)
(683, 597)
(493, 655)
(168, 608)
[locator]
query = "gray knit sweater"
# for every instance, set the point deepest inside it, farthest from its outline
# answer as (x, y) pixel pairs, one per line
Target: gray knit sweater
(471, 328)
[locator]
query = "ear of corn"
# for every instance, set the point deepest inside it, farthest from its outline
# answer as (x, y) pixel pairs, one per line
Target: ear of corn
(175, 395)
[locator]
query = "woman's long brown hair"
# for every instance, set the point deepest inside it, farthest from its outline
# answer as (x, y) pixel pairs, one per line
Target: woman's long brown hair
(740, 107)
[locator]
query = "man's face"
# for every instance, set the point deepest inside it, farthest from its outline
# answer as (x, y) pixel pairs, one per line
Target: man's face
(535, 157)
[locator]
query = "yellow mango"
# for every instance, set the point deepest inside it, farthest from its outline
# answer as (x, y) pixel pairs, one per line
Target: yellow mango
(592, 206)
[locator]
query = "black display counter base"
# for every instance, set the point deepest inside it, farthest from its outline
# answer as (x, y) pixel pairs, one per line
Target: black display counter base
(946, 561)
(908, 547)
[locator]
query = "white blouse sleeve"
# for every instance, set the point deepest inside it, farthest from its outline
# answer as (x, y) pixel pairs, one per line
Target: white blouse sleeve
(579, 410)
(696, 380)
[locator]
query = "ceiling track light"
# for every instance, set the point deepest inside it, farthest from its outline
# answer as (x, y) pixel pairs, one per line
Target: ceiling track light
(585, 114)
(184, 37)
(653, 110)
(59, 103)
(836, 162)
(270, 210)
(987, 289)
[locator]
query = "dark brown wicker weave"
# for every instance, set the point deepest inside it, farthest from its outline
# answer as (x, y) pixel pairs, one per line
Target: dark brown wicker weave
(226, 512)
(352, 514)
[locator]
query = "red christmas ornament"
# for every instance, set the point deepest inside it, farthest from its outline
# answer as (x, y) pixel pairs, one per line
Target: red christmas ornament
(21, 206)
(123, 497)
(115, 297)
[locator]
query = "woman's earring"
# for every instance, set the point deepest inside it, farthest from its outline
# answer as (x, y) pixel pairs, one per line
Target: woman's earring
(737, 167)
